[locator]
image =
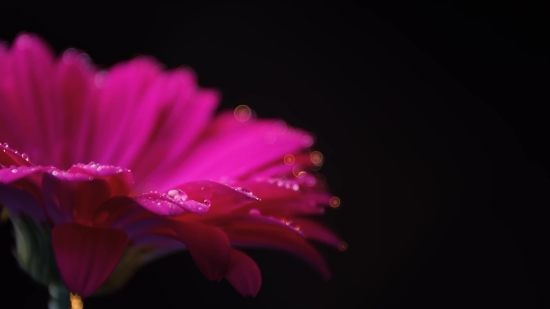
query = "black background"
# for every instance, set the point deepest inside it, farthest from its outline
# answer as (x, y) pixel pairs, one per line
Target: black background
(432, 119)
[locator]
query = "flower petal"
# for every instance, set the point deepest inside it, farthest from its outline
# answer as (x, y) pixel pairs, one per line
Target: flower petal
(248, 232)
(10, 157)
(86, 255)
(21, 202)
(229, 148)
(222, 198)
(26, 177)
(171, 204)
(318, 232)
(209, 247)
(25, 93)
(73, 196)
(120, 180)
(243, 274)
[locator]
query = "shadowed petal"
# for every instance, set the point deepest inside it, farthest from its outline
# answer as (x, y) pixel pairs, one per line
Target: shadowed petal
(21, 202)
(26, 177)
(316, 231)
(243, 274)
(85, 255)
(72, 196)
(209, 247)
(247, 232)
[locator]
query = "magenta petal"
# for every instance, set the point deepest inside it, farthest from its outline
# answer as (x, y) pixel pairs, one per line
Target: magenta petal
(316, 231)
(10, 157)
(86, 256)
(209, 247)
(120, 180)
(72, 196)
(244, 274)
(223, 198)
(259, 234)
(172, 203)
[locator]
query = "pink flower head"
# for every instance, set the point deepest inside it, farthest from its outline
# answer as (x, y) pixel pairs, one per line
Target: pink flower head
(172, 175)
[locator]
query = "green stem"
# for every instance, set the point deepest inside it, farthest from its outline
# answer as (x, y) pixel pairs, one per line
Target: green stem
(59, 297)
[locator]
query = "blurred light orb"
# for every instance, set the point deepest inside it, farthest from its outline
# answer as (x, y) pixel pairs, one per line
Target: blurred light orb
(242, 113)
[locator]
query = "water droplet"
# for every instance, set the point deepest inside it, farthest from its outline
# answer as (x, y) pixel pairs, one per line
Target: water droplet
(5, 145)
(14, 170)
(177, 194)
(295, 187)
(207, 202)
(254, 211)
(55, 173)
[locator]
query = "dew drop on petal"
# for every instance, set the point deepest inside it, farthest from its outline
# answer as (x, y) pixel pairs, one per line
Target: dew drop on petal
(254, 211)
(177, 195)
(207, 202)
(295, 187)
(14, 170)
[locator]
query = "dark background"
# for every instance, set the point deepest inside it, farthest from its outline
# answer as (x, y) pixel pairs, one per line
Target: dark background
(431, 118)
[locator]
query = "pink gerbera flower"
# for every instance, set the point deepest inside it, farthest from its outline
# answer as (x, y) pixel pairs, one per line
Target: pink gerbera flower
(172, 174)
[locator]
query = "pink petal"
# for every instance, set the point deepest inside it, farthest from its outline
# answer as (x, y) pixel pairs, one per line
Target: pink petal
(73, 120)
(27, 87)
(209, 247)
(121, 97)
(223, 198)
(126, 214)
(173, 203)
(86, 255)
(243, 274)
(285, 197)
(316, 231)
(190, 112)
(259, 234)
(10, 157)
(120, 180)
(73, 196)
(228, 144)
